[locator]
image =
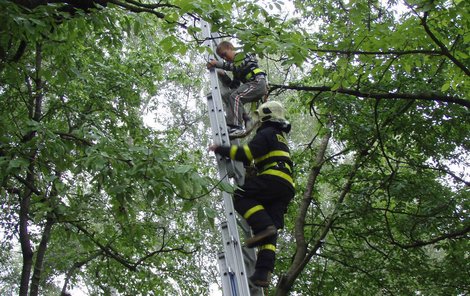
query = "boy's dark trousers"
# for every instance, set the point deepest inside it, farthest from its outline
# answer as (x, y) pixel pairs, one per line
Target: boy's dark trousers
(263, 201)
(250, 91)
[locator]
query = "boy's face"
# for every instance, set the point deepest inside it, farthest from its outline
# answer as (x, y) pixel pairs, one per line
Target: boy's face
(228, 55)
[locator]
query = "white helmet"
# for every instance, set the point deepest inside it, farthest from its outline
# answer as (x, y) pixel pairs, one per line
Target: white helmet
(271, 111)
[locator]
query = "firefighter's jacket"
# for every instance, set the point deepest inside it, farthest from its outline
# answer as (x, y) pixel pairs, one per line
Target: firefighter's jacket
(269, 152)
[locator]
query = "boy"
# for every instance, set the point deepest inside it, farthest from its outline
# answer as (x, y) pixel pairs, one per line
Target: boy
(263, 199)
(253, 88)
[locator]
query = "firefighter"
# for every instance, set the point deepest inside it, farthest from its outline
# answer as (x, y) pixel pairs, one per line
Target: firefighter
(264, 198)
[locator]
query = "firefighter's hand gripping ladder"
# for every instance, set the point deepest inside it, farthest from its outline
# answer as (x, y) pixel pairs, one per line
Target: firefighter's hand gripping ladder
(235, 262)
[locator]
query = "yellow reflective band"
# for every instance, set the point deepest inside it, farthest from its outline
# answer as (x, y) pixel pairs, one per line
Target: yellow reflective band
(254, 72)
(279, 174)
(253, 210)
(281, 139)
(248, 152)
(270, 165)
(273, 154)
(270, 247)
(233, 151)
(288, 167)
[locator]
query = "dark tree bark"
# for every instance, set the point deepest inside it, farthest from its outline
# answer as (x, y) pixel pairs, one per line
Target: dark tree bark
(35, 111)
(287, 280)
(25, 241)
(71, 4)
(41, 252)
(304, 252)
(76, 266)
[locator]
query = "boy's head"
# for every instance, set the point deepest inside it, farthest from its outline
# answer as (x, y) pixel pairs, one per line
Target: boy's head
(226, 50)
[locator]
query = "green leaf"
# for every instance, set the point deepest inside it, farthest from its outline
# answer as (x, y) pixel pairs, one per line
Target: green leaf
(336, 86)
(227, 187)
(445, 86)
(200, 214)
(187, 206)
(183, 169)
(17, 163)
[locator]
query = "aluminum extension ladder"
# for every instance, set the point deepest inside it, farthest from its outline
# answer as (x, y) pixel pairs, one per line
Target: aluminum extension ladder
(235, 262)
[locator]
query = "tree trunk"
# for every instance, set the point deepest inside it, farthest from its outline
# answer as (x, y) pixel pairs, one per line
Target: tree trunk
(303, 255)
(25, 242)
(286, 281)
(38, 266)
(35, 111)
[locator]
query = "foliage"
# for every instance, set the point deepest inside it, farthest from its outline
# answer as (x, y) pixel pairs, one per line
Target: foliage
(378, 96)
(72, 133)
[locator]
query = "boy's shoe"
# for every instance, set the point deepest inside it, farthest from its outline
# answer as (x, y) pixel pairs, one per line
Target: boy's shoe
(261, 278)
(236, 131)
(257, 239)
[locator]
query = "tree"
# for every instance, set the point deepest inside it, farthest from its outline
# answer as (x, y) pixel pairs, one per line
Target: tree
(89, 184)
(91, 192)
(389, 196)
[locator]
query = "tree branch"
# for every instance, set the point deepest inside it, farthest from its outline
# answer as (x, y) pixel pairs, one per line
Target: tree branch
(419, 243)
(137, 9)
(68, 136)
(372, 95)
(28, 185)
(76, 266)
(288, 279)
(25, 199)
(151, 6)
(114, 254)
(390, 52)
(108, 250)
(378, 281)
(442, 46)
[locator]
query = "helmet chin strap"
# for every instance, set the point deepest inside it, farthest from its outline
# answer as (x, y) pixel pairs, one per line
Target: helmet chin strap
(286, 126)
(266, 118)
(282, 124)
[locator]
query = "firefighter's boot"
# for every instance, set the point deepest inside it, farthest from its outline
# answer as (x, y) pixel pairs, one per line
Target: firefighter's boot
(258, 238)
(261, 278)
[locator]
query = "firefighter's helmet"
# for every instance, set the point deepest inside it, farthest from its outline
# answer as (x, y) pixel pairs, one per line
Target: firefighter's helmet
(271, 111)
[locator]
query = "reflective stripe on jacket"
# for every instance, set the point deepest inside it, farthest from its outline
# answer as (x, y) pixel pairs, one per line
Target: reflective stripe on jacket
(268, 150)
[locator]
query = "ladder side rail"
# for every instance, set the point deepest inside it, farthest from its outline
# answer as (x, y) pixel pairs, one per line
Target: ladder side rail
(224, 272)
(248, 256)
(217, 115)
(220, 136)
(234, 253)
(234, 258)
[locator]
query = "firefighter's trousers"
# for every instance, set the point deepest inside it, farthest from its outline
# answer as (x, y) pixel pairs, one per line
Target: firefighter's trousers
(263, 201)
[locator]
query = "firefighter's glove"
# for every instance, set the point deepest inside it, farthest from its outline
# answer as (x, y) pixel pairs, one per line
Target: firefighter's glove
(212, 147)
(250, 171)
